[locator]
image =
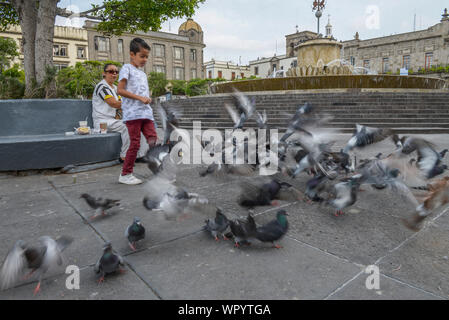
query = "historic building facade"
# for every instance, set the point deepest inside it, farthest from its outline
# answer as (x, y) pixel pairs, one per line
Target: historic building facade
(225, 70)
(412, 50)
(179, 56)
(69, 45)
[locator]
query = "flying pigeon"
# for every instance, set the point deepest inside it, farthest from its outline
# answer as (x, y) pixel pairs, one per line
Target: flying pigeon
(108, 263)
(273, 230)
(364, 136)
(344, 194)
(172, 201)
(135, 232)
(429, 160)
(99, 203)
(245, 109)
(217, 226)
(437, 197)
(38, 258)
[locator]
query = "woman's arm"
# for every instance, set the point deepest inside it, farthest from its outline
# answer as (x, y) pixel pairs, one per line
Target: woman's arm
(125, 93)
(113, 103)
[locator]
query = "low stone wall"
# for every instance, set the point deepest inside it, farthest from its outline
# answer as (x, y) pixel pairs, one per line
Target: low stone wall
(32, 135)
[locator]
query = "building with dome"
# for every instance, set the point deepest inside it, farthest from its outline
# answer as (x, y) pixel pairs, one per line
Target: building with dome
(179, 56)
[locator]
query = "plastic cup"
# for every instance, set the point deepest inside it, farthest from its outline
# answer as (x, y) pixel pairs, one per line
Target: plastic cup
(103, 127)
(83, 123)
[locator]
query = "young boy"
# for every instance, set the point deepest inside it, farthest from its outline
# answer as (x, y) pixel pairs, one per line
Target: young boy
(137, 112)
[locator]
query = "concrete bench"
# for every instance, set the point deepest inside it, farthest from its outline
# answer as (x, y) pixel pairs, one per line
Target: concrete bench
(32, 135)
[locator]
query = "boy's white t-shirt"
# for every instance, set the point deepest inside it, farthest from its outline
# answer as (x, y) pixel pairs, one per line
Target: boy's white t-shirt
(137, 83)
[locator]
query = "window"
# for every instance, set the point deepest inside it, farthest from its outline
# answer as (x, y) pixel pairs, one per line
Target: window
(81, 52)
(210, 74)
(60, 66)
(192, 54)
(120, 46)
(385, 65)
(178, 73)
(406, 62)
(159, 50)
(256, 70)
(220, 74)
(366, 64)
(233, 76)
(101, 43)
(178, 53)
(193, 74)
(295, 63)
(274, 67)
(429, 60)
(159, 69)
(352, 61)
(60, 50)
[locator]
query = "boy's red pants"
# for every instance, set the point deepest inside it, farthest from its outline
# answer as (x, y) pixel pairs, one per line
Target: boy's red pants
(146, 126)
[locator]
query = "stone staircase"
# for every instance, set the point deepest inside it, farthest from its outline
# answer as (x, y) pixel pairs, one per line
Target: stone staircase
(406, 112)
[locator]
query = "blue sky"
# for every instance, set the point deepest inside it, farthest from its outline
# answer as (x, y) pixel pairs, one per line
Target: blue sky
(242, 30)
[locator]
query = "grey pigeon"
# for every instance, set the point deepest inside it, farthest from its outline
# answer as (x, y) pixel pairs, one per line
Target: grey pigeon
(172, 201)
(217, 226)
(135, 232)
(108, 263)
(100, 203)
(243, 230)
(364, 136)
(245, 107)
(273, 230)
(429, 160)
(38, 258)
(344, 194)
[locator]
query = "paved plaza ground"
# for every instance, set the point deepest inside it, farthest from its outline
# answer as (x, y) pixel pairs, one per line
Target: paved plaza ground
(323, 256)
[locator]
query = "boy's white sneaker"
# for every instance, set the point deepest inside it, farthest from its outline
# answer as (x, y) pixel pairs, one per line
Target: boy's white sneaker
(129, 179)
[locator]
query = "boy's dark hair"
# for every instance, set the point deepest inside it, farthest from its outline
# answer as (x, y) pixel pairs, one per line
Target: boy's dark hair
(138, 43)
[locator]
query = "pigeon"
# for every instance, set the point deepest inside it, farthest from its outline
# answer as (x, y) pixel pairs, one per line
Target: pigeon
(99, 203)
(298, 121)
(217, 226)
(38, 258)
(437, 197)
(134, 233)
(155, 157)
(173, 202)
(315, 185)
(245, 109)
(261, 120)
(364, 136)
(108, 263)
(344, 194)
(266, 194)
(273, 230)
(429, 160)
(243, 231)
(169, 117)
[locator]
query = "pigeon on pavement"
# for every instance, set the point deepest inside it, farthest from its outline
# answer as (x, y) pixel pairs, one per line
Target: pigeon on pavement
(38, 258)
(135, 232)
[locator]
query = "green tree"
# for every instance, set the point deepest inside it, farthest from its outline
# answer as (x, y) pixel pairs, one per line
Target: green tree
(80, 80)
(37, 20)
(157, 82)
(8, 51)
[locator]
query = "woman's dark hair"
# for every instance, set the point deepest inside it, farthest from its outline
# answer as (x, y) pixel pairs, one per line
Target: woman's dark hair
(138, 43)
(107, 65)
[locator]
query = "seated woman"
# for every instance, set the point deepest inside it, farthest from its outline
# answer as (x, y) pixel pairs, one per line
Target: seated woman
(106, 108)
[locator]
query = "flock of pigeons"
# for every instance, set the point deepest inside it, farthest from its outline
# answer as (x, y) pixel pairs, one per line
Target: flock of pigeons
(335, 179)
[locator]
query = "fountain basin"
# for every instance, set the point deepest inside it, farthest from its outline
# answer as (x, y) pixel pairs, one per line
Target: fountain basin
(331, 82)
